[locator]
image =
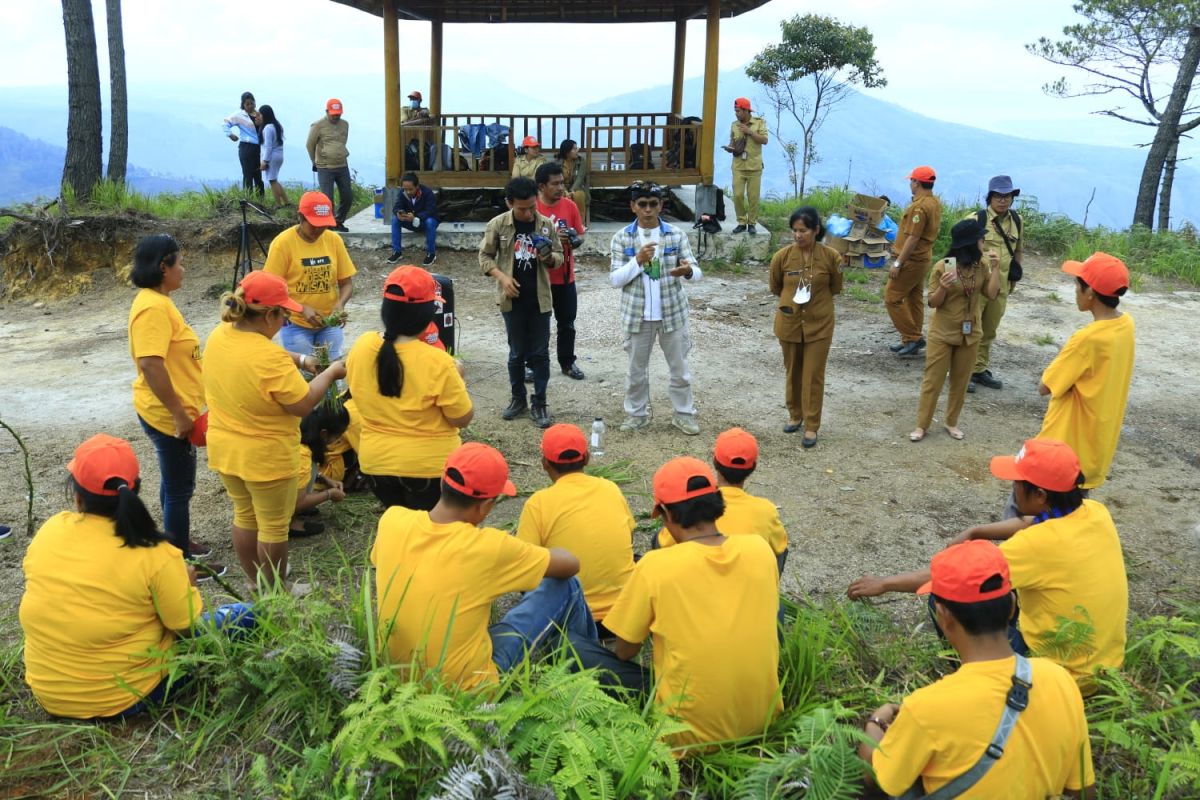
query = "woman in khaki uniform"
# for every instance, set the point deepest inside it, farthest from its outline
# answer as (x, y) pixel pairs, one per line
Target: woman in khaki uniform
(957, 286)
(805, 276)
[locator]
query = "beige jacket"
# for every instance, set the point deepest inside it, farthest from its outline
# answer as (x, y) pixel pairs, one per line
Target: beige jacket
(327, 143)
(496, 249)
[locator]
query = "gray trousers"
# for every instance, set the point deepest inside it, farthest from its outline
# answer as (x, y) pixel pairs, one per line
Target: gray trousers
(339, 177)
(675, 346)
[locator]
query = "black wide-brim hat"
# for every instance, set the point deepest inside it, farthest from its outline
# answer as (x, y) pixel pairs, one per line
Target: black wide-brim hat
(966, 233)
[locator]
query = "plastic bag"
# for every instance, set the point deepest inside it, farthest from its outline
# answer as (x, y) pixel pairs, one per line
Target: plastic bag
(839, 226)
(889, 228)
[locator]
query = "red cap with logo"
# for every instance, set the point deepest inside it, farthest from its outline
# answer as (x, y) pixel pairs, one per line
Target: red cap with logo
(1105, 274)
(317, 209)
(564, 444)
(530, 141)
(264, 289)
(742, 102)
(478, 471)
(414, 95)
(334, 106)
(672, 479)
(99, 460)
(1046, 463)
(736, 448)
(923, 174)
(409, 284)
(959, 573)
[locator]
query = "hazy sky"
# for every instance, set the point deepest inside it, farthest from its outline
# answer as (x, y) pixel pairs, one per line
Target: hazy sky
(948, 59)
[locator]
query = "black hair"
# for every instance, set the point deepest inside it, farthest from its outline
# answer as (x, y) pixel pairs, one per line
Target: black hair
(456, 499)
(640, 189)
(1112, 301)
(399, 319)
(246, 96)
(986, 616)
(134, 524)
(565, 148)
(544, 172)
(734, 475)
(705, 508)
(332, 419)
(967, 256)
(520, 189)
(569, 467)
(926, 184)
(151, 253)
(811, 219)
(1064, 502)
(268, 118)
(411, 177)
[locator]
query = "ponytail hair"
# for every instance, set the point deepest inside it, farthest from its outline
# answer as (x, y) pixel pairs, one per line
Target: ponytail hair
(134, 524)
(399, 319)
(234, 307)
(327, 418)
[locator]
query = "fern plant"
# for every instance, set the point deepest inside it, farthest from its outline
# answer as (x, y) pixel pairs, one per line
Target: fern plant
(820, 763)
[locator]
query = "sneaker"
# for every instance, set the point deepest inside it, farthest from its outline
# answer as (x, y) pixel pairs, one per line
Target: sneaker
(740, 229)
(635, 423)
(206, 572)
(686, 424)
(910, 349)
(921, 343)
(516, 408)
(197, 550)
(752, 229)
(396, 257)
(896, 348)
(986, 378)
(429, 259)
(540, 414)
(574, 372)
(971, 385)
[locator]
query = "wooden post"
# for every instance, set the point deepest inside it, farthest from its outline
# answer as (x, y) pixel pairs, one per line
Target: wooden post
(435, 71)
(712, 25)
(391, 93)
(677, 81)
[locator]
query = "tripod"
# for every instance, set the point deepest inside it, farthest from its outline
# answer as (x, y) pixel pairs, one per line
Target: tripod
(244, 261)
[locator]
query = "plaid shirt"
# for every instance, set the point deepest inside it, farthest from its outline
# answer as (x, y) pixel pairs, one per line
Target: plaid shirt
(674, 247)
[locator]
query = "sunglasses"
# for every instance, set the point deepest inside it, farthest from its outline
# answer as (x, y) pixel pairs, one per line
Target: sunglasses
(647, 204)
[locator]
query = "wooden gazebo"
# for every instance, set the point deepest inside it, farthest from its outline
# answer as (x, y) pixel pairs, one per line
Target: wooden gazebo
(452, 150)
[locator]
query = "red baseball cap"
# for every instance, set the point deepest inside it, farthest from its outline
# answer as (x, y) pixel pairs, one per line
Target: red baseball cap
(99, 460)
(736, 448)
(671, 481)
(923, 174)
(530, 141)
(199, 434)
(1046, 463)
(742, 102)
(483, 471)
(334, 106)
(415, 96)
(564, 444)
(958, 573)
(264, 289)
(409, 284)
(1105, 274)
(317, 209)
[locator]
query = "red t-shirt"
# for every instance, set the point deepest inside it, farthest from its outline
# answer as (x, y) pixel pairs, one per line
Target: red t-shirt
(564, 214)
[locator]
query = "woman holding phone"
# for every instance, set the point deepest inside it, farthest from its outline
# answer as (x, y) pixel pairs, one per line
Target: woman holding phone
(957, 285)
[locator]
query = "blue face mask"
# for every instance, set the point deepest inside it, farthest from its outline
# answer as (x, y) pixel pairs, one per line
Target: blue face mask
(416, 103)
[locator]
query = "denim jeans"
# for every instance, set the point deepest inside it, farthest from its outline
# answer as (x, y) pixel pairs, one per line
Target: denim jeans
(429, 226)
(302, 340)
(612, 672)
(177, 482)
(528, 343)
(555, 607)
(339, 176)
(566, 307)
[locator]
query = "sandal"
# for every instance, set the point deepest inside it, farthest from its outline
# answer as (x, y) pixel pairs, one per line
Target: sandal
(917, 435)
(954, 433)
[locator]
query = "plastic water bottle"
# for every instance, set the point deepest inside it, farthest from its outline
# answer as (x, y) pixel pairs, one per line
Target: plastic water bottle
(597, 446)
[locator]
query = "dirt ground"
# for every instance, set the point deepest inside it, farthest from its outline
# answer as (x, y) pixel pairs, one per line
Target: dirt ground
(864, 500)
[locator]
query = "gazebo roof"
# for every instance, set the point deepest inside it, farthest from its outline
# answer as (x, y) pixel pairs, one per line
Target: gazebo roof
(574, 11)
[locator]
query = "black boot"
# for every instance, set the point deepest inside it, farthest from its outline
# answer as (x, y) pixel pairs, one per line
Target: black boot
(538, 411)
(515, 409)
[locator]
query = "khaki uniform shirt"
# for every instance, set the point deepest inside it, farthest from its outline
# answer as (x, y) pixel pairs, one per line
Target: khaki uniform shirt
(823, 273)
(526, 168)
(496, 252)
(992, 241)
(327, 143)
(751, 158)
(922, 219)
(946, 324)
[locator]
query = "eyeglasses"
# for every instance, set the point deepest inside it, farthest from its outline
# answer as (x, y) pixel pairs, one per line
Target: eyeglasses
(647, 204)
(1005, 197)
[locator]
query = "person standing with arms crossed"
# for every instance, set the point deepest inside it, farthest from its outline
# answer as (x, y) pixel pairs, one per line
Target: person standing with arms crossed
(747, 164)
(242, 126)
(327, 150)
(1003, 235)
(905, 291)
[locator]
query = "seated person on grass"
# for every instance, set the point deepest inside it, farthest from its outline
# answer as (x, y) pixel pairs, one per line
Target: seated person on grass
(584, 515)
(943, 733)
(1066, 563)
(735, 457)
(325, 425)
(437, 574)
(708, 604)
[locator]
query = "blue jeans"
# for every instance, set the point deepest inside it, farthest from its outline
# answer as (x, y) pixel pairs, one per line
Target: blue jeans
(555, 607)
(528, 343)
(428, 225)
(177, 471)
(611, 672)
(302, 340)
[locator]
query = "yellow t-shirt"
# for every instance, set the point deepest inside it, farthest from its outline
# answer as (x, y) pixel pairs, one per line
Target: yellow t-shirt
(1089, 385)
(312, 270)
(98, 616)
(406, 436)
(156, 328)
(304, 469)
(745, 514)
(710, 612)
(353, 433)
(588, 517)
(434, 588)
(247, 381)
(943, 729)
(1045, 562)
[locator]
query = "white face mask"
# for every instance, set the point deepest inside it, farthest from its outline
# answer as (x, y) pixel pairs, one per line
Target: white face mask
(803, 294)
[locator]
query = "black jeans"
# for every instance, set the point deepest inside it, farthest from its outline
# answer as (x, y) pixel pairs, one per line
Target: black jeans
(340, 177)
(612, 672)
(250, 156)
(566, 306)
(528, 343)
(420, 494)
(177, 483)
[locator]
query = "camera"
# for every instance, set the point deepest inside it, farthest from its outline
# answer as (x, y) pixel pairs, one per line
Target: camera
(574, 239)
(543, 246)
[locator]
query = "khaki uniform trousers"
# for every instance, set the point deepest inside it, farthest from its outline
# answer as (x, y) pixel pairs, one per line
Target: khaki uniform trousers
(804, 366)
(581, 201)
(747, 183)
(904, 297)
(993, 310)
(941, 358)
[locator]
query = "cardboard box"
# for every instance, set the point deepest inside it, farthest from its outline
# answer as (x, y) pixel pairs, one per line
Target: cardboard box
(865, 208)
(837, 243)
(858, 231)
(868, 262)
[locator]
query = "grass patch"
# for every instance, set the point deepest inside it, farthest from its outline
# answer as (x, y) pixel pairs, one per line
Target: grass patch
(1045, 340)
(862, 294)
(1053, 297)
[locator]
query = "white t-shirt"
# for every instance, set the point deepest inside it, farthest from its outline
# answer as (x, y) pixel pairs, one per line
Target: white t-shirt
(653, 308)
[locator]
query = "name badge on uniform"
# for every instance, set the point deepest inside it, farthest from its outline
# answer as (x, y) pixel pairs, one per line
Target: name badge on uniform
(967, 327)
(803, 294)
(745, 155)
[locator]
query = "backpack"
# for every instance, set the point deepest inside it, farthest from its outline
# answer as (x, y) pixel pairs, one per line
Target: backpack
(710, 202)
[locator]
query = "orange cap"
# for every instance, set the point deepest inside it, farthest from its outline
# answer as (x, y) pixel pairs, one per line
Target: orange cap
(99, 460)
(317, 209)
(671, 480)
(264, 289)
(334, 106)
(482, 472)
(736, 448)
(1046, 463)
(923, 174)
(564, 444)
(1105, 274)
(958, 573)
(199, 434)
(742, 102)
(409, 284)
(530, 141)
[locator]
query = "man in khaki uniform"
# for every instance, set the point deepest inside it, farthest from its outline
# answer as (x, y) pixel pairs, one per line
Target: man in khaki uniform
(1003, 236)
(905, 291)
(747, 165)
(327, 150)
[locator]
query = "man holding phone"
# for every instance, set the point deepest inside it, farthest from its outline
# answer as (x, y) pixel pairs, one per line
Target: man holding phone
(650, 261)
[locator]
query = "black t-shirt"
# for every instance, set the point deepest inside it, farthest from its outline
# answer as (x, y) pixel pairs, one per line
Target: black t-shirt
(525, 266)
